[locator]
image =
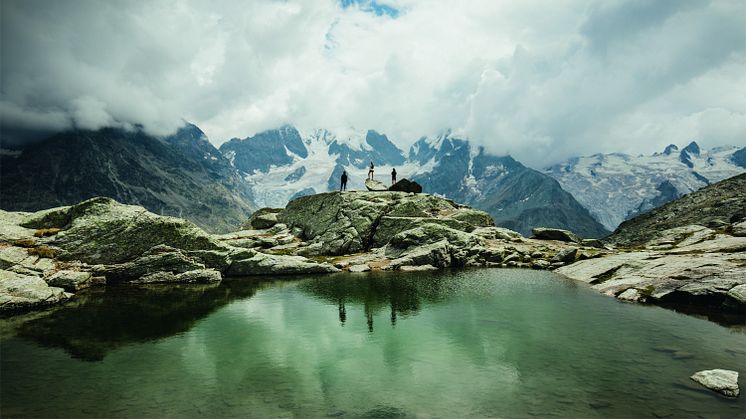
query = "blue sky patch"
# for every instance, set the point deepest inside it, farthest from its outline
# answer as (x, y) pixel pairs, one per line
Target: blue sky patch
(371, 6)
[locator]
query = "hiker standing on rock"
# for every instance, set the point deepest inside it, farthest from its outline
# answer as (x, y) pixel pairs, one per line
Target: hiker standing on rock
(393, 176)
(343, 186)
(370, 171)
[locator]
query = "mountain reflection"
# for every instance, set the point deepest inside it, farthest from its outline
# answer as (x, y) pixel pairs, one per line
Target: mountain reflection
(103, 319)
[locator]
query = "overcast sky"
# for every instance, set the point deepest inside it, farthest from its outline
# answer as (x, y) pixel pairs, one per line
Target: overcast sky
(541, 80)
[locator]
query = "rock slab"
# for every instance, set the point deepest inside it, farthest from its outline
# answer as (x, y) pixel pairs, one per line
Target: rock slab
(375, 186)
(724, 382)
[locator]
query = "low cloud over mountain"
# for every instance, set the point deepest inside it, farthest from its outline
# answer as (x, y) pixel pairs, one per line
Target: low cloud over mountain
(542, 81)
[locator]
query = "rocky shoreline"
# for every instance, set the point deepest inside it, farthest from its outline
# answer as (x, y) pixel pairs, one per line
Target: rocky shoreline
(48, 255)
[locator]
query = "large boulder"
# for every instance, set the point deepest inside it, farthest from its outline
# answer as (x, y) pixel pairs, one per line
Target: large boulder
(262, 219)
(375, 185)
(724, 382)
(103, 231)
(406, 185)
(543, 233)
(567, 255)
(436, 254)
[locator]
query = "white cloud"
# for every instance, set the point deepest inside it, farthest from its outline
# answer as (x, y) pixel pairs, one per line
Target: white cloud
(542, 80)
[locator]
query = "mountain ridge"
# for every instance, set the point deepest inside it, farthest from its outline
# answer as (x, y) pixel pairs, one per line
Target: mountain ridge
(617, 186)
(182, 174)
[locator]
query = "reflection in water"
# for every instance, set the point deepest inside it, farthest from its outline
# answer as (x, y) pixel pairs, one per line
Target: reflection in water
(485, 343)
(102, 319)
(401, 294)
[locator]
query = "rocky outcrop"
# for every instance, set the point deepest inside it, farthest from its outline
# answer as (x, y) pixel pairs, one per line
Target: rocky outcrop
(689, 254)
(724, 382)
(103, 231)
(406, 185)
(684, 266)
(339, 223)
(403, 231)
(101, 241)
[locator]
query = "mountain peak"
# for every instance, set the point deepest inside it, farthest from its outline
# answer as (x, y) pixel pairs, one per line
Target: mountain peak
(670, 149)
(692, 148)
(686, 154)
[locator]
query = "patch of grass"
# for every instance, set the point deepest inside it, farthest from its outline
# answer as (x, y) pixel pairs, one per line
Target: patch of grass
(24, 243)
(46, 232)
(282, 252)
(647, 291)
(43, 251)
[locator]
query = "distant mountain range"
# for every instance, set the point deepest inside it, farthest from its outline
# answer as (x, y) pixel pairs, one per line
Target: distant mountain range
(184, 175)
(181, 175)
(284, 163)
(616, 187)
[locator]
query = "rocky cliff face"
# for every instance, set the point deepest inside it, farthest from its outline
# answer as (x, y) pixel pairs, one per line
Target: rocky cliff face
(181, 175)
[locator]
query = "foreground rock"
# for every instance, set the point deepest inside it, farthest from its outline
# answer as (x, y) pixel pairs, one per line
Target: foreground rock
(100, 241)
(22, 292)
(705, 269)
(724, 382)
(689, 255)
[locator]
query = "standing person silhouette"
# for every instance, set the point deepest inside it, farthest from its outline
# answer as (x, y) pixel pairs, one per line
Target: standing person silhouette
(393, 176)
(370, 171)
(343, 186)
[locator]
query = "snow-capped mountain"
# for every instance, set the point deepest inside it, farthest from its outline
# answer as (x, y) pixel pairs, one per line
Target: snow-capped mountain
(616, 187)
(305, 163)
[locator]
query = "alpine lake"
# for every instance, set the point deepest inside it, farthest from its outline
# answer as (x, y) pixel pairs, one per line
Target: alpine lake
(450, 344)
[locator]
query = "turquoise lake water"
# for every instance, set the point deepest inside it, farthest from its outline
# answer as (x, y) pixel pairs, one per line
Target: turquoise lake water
(469, 343)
